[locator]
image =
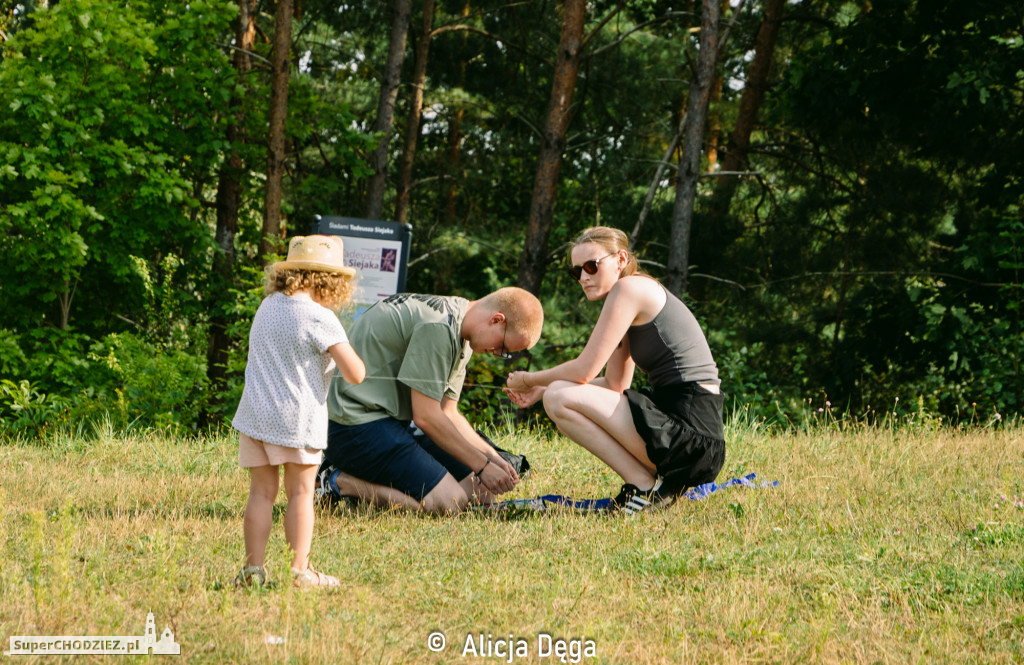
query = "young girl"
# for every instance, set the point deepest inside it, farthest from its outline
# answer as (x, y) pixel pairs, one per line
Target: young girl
(662, 441)
(294, 344)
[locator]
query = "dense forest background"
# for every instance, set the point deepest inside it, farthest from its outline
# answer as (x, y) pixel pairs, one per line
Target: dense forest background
(835, 187)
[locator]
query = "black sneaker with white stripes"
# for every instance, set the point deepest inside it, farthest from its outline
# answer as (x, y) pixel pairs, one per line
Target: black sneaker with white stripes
(632, 500)
(322, 492)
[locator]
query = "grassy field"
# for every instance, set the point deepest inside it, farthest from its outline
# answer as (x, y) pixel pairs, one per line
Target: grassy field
(880, 545)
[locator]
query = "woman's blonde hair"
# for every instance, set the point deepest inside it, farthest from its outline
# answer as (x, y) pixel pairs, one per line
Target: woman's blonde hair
(613, 240)
(332, 290)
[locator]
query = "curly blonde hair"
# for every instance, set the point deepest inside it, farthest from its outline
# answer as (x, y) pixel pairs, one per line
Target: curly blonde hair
(332, 290)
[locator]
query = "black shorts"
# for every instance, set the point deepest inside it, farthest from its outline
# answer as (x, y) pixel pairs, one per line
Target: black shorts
(682, 427)
(387, 452)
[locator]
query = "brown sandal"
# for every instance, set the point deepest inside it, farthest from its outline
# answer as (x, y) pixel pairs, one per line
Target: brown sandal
(309, 579)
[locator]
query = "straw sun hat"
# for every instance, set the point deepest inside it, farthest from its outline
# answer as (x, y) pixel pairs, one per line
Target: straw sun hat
(324, 253)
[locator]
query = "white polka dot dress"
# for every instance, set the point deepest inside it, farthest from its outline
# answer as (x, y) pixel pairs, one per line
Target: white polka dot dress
(288, 372)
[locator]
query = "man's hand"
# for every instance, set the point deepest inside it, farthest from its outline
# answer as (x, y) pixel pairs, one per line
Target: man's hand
(498, 476)
(449, 429)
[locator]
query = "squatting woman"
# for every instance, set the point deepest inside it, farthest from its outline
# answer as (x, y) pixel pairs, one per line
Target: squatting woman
(660, 441)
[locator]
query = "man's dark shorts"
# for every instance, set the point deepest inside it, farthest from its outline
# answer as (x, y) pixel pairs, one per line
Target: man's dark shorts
(388, 452)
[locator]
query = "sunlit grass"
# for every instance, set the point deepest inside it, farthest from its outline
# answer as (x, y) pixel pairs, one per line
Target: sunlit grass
(891, 544)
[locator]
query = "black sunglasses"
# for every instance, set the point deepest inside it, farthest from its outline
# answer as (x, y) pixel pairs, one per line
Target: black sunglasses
(589, 266)
(504, 352)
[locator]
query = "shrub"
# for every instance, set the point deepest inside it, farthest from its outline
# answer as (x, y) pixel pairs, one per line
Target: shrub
(26, 411)
(154, 385)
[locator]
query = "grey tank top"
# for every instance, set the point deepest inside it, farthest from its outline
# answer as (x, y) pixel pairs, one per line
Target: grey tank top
(672, 348)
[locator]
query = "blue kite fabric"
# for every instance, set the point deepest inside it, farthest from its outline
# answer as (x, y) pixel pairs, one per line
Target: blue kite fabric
(697, 493)
(706, 490)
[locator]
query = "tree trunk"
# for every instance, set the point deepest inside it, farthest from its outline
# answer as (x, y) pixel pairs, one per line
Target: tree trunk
(65, 298)
(412, 129)
(229, 196)
(735, 157)
(714, 113)
(455, 139)
(276, 140)
(652, 190)
(714, 123)
(454, 156)
(693, 140)
(723, 229)
(386, 108)
(533, 262)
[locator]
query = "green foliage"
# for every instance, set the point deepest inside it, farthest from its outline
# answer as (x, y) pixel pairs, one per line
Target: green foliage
(152, 378)
(875, 255)
(26, 411)
(879, 264)
(150, 385)
(123, 380)
(96, 169)
(61, 100)
(974, 352)
(748, 378)
(12, 358)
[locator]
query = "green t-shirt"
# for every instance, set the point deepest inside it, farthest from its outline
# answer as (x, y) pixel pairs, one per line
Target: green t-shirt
(407, 341)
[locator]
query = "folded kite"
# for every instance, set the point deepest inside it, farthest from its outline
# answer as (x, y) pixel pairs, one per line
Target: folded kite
(541, 503)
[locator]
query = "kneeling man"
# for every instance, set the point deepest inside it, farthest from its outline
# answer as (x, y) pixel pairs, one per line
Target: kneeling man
(416, 348)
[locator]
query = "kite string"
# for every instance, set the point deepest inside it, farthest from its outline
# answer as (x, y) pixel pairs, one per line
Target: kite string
(468, 386)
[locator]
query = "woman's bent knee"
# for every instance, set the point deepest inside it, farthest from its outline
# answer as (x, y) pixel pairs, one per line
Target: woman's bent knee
(556, 397)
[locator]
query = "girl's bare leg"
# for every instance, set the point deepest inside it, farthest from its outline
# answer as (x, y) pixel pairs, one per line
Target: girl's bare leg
(259, 513)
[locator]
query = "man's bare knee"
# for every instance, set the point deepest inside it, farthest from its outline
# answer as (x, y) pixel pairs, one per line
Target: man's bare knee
(447, 497)
(477, 493)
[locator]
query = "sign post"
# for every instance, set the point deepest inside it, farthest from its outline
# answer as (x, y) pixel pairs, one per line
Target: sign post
(378, 250)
